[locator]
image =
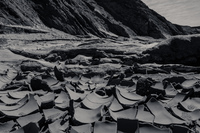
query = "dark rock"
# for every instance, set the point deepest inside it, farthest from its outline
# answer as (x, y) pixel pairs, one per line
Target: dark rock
(58, 74)
(129, 72)
(180, 68)
(27, 54)
(127, 60)
(146, 86)
(175, 79)
(95, 61)
(127, 125)
(180, 129)
(31, 128)
(114, 82)
(32, 66)
(38, 84)
(143, 86)
(52, 57)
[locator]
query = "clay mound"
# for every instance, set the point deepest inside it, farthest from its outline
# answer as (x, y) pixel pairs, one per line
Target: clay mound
(176, 50)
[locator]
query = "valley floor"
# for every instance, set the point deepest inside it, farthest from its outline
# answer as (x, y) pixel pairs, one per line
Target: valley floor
(54, 82)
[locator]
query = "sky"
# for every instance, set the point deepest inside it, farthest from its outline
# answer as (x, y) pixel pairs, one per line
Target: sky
(183, 12)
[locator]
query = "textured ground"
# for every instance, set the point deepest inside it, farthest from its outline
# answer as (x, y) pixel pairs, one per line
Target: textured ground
(60, 83)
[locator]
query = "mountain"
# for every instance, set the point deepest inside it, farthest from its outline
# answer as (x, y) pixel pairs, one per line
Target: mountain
(102, 18)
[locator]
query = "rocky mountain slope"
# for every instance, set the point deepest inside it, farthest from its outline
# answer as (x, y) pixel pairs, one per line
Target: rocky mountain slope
(102, 18)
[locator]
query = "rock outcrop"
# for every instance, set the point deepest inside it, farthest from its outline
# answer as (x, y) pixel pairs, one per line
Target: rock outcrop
(102, 18)
(177, 50)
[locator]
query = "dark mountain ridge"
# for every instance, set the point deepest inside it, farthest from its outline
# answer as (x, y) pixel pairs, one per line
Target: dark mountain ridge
(98, 17)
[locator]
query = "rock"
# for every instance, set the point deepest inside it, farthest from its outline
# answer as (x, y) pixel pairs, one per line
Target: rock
(176, 50)
(127, 125)
(95, 61)
(32, 66)
(146, 86)
(127, 60)
(129, 72)
(175, 79)
(178, 128)
(52, 57)
(38, 84)
(58, 74)
(143, 86)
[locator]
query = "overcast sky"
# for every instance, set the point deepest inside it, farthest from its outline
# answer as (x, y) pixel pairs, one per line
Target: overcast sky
(184, 12)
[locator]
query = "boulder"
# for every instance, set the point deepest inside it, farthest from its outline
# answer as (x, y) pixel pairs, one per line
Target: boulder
(143, 86)
(58, 74)
(38, 84)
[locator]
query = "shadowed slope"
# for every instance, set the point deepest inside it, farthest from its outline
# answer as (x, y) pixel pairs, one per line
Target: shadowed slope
(83, 17)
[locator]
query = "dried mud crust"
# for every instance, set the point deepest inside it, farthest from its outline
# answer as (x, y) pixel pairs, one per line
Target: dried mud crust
(96, 88)
(96, 91)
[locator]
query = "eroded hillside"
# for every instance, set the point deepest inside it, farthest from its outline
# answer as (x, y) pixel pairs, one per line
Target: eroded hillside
(82, 17)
